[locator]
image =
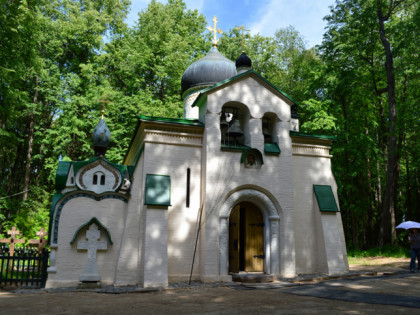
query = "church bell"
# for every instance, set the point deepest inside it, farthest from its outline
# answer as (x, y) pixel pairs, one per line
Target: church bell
(223, 121)
(235, 129)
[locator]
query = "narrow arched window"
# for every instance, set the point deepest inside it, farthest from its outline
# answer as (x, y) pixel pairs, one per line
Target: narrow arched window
(267, 129)
(188, 187)
(95, 179)
(102, 180)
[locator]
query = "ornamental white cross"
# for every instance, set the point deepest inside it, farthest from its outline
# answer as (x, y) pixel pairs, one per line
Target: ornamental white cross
(90, 273)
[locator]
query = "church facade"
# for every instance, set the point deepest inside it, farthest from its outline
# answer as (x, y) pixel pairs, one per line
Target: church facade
(231, 188)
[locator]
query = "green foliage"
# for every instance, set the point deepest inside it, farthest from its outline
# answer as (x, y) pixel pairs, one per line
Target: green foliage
(56, 74)
(354, 82)
(282, 59)
(319, 121)
(386, 251)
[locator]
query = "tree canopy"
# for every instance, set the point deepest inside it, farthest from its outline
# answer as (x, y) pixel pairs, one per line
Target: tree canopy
(61, 62)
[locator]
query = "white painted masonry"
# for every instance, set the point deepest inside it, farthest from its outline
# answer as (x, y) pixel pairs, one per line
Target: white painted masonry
(153, 245)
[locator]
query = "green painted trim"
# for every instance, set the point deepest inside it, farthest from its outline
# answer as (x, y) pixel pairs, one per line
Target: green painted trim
(77, 165)
(200, 100)
(204, 91)
(157, 191)
(191, 91)
(93, 220)
(325, 197)
(176, 121)
(307, 135)
(55, 200)
(271, 148)
(138, 157)
(245, 153)
(61, 175)
(64, 198)
(133, 137)
(225, 147)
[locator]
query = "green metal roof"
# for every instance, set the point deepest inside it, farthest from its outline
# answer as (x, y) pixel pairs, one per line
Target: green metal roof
(61, 175)
(158, 190)
(64, 167)
(177, 121)
(308, 135)
(227, 147)
(252, 72)
(271, 148)
(77, 165)
(325, 198)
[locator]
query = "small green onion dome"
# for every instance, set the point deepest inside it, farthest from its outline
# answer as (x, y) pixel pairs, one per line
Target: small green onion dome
(101, 137)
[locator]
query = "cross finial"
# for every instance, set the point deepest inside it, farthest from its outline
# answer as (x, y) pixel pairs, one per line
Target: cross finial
(242, 28)
(13, 240)
(215, 30)
(41, 241)
(104, 101)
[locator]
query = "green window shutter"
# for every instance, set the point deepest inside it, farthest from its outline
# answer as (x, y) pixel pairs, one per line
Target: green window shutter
(325, 198)
(158, 190)
(271, 148)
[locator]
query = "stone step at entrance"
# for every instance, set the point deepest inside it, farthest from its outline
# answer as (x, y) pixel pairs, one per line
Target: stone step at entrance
(253, 277)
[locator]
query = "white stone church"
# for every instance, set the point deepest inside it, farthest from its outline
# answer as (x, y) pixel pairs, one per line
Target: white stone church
(233, 188)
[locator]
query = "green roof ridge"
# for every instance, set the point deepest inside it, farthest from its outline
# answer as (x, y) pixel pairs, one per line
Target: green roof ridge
(308, 135)
(241, 75)
(180, 121)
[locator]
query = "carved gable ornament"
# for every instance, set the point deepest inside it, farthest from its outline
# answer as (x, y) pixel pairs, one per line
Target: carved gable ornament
(252, 158)
(98, 177)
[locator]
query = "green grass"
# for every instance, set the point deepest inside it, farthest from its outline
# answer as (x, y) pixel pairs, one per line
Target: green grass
(386, 251)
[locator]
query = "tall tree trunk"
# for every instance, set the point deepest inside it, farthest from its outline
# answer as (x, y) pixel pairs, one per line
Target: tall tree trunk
(407, 214)
(30, 146)
(388, 207)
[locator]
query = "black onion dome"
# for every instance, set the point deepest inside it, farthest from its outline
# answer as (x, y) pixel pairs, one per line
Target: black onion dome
(212, 68)
(243, 61)
(101, 136)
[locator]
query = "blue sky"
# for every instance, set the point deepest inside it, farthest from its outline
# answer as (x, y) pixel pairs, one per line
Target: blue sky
(259, 16)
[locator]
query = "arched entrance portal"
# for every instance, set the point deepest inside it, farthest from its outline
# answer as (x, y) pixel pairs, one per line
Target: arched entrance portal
(246, 239)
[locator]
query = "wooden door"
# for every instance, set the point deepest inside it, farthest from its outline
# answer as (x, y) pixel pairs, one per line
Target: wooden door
(254, 239)
(246, 239)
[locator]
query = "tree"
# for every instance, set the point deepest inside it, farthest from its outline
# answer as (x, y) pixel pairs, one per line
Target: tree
(357, 78)
(151, 57)
(47, 43)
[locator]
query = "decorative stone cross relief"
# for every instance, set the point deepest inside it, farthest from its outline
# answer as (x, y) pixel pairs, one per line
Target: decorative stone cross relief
(90, 273)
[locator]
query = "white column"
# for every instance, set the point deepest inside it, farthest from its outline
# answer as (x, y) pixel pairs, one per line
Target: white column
(274, 245)
(156, 247)
(224, 245)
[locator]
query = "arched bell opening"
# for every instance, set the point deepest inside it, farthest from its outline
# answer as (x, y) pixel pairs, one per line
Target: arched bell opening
(246, 239)
(234, 128)
(269, 121)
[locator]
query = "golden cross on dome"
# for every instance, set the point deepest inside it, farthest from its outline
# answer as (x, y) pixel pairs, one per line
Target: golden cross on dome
(104, 102)
(242, 28)
(215, 30)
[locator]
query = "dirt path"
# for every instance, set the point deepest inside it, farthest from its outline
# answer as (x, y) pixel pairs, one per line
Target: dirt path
(388, 294)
